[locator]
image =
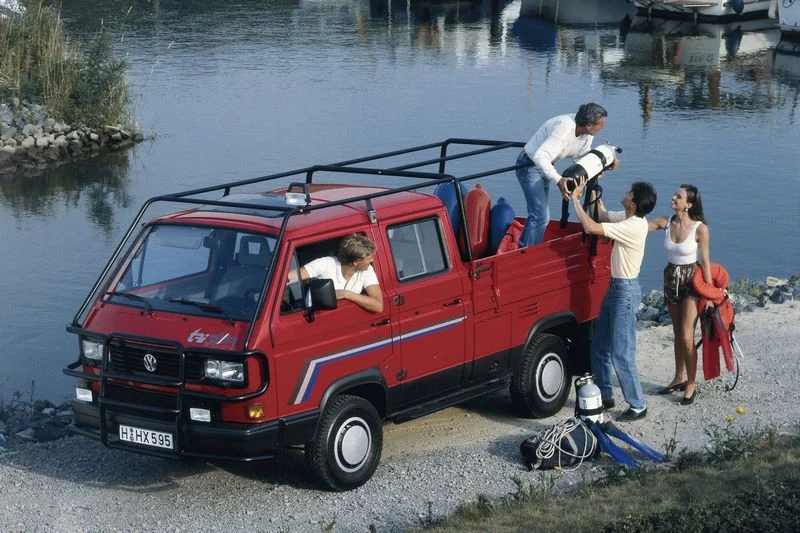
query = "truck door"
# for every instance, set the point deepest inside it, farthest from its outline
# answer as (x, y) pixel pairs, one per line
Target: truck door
(312, 354)
(427, 302)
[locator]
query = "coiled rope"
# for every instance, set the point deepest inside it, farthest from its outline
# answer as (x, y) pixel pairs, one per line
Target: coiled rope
(550, 443)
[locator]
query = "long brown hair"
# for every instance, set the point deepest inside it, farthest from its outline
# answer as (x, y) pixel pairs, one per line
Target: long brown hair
(693, 197)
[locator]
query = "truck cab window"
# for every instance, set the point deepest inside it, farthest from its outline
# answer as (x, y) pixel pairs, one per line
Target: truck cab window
(196, 270)
(293, 296)
(417, 249)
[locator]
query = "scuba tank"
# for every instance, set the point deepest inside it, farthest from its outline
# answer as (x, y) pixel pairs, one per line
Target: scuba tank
(591, 165)
(500, 218)
(588, 401)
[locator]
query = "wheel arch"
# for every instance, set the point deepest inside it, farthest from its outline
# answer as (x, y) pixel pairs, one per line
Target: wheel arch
(368, 384)
(576, 339)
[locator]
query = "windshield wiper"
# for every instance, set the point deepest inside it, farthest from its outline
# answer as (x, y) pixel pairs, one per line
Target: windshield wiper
(203, 306)
(131, 296)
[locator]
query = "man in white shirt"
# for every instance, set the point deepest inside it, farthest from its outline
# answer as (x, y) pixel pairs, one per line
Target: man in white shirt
(614, 337)
(352, 273)
(559, 138)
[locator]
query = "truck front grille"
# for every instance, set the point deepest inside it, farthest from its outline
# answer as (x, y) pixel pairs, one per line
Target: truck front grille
(131, 357)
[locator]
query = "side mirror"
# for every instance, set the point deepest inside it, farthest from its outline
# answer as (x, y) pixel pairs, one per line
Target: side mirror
(320, 294)
(323, 295)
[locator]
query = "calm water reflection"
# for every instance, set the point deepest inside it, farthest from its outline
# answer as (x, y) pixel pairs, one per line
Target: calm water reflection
(244, 88)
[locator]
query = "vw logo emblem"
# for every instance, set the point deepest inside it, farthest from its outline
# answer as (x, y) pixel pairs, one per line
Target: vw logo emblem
(150, 362)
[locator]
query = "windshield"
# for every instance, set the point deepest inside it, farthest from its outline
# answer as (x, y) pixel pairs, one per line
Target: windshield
(195, 270)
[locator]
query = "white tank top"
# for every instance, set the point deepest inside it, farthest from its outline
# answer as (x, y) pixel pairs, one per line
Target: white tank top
(685, 252)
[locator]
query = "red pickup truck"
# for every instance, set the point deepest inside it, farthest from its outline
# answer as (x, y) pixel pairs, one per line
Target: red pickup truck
(194, 343)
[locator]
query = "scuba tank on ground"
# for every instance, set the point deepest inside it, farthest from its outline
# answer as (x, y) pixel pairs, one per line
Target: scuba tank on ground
(588, 400)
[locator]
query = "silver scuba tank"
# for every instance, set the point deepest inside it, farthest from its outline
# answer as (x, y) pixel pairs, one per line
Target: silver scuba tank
(589, 401)
(591, 165)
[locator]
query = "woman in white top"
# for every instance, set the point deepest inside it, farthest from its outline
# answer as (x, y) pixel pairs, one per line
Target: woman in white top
(352, 273)
(686, 234)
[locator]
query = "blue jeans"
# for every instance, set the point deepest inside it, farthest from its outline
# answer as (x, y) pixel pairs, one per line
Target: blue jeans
(614, 342)
(536, 189)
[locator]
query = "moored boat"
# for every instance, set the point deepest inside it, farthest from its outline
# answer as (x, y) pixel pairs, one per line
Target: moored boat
(789, 18)
(704, 10)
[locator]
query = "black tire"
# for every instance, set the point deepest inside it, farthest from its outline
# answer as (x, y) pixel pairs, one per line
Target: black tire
(540, 385)
(347, 446)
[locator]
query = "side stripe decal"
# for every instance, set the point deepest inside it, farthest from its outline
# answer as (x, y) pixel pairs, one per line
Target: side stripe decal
(314, 365)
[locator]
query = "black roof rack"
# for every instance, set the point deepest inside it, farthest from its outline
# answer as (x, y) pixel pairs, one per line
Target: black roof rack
(429, 179)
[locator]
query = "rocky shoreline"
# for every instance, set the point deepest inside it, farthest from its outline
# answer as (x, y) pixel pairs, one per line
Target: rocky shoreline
(29, 138)
(745, 296)
(30, 420)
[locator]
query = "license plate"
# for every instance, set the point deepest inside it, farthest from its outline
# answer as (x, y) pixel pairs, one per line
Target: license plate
(148, 437)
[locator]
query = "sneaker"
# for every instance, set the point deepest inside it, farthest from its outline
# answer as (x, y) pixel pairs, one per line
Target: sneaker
(631, 414)
(609, 404)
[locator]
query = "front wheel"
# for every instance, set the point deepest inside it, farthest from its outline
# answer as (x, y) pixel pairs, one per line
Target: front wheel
(540, 385)
(347, 446)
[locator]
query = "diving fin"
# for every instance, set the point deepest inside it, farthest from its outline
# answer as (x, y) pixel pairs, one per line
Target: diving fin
(614, 431)
(616, 453)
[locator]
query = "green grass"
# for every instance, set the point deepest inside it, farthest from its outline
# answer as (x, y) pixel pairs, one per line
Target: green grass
(747, 481)
(83, 85)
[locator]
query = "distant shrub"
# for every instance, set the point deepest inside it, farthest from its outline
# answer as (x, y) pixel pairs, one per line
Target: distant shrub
(39, 64)
(745, 286)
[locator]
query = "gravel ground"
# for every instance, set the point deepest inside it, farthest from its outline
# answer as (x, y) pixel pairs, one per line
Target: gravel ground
(75, 484)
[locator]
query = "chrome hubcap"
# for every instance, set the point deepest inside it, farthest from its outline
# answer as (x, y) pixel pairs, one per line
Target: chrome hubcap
(353, 443)
(551, 374)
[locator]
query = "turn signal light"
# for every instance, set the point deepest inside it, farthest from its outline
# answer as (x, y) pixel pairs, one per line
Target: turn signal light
(255, 410)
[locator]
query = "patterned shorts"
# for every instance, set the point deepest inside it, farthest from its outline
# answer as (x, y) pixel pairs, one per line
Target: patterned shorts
(678, 282)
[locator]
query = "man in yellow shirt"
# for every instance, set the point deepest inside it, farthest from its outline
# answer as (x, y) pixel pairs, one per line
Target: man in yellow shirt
(614, 337)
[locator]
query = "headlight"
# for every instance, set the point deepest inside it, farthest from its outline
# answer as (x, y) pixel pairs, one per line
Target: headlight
(92, 350)
(224, 370)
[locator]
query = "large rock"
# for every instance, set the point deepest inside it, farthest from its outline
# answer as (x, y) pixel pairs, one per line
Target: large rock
(30, 130)
(8, 132)
(6, 152)
(649, 313)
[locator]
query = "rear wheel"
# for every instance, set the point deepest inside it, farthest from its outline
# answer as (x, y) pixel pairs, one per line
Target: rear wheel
(540, 385)
(347, 446)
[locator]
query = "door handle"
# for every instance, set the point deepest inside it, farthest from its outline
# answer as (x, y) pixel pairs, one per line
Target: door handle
(398, 299)
(454, 302)
(380, 322)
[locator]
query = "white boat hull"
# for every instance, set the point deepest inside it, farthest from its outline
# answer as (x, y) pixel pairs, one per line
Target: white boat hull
(789, 18)
(702, 9)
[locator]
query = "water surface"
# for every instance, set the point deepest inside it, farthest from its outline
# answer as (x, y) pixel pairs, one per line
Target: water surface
(245, 88)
